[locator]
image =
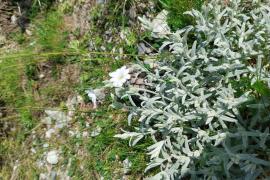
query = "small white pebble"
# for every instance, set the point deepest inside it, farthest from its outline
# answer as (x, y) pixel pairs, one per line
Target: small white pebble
(28, 32)
(33, 150)
(78, 134)
(45, 145)
(71, 133)
(96, 131)
(103, 48)
(42, 176)
(49, 133)
(52, 157)
(41, 76)
(40, 163)
(85, 134)
(47, 120)
(13, 19)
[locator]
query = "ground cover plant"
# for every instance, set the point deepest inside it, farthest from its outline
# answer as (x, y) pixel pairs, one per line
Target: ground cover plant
(176, 11)
(206, 104)
(193, 87)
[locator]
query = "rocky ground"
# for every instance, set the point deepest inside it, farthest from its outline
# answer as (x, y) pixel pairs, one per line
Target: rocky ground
(55, 120)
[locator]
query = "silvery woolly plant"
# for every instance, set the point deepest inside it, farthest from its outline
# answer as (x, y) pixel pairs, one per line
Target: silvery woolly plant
(206, 105)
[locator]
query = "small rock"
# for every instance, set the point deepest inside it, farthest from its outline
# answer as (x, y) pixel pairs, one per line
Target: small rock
(126, 166)
(71, 133)
(45, 145)
(78, 134)
(100, 93)
(52, 157)
(13, 19)
(132, 12)
(2, 39)
(142, 49)
(48, 134)
(41, 76)
(121, 51)
(60, 117)
(53, 175)
(28, 32)
(85, 134)
(96, 132)
(96, 95)
(72, 103)
(103, 48)
(33, 150)
(43, 176)
(133, 80)
(47, 120)
(140, 81)
(100, 1)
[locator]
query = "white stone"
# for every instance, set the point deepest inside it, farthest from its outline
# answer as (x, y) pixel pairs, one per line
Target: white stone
(48, 134)
(33, 150)
(45, 145)
(85, 134)
(52, 157)
(96, 132)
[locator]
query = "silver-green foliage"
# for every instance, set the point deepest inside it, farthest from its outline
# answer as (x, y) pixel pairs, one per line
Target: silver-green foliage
(199, 127)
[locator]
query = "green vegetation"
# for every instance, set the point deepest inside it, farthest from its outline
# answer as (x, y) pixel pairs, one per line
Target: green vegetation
(71, 47)
(207, 108)
(176, 8)
(50, 33)
(42, 73)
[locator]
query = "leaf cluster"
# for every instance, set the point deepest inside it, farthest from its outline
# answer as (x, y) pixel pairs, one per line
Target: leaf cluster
(207, 108)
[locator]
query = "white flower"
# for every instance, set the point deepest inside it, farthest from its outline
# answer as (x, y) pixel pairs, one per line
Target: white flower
(52, 157)
(119, 77)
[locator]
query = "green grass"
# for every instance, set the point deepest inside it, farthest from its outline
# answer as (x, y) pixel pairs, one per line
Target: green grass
(176, 8)
(25, 96)
(110, 151)
(20, 86)
(50, 32)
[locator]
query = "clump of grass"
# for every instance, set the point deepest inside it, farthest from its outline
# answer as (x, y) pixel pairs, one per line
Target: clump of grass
(50, 33)
(176, 8)
(110, 152)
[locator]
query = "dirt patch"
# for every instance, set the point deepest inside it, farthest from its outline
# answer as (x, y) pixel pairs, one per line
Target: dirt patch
(53, 83)
(79, 19)
(7, 10)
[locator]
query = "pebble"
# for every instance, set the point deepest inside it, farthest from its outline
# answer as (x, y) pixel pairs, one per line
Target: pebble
(96, 132)
(100, 1)
(52, 157)
(49, 133)
(85, 134)
(45, 145)
(33, 150)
